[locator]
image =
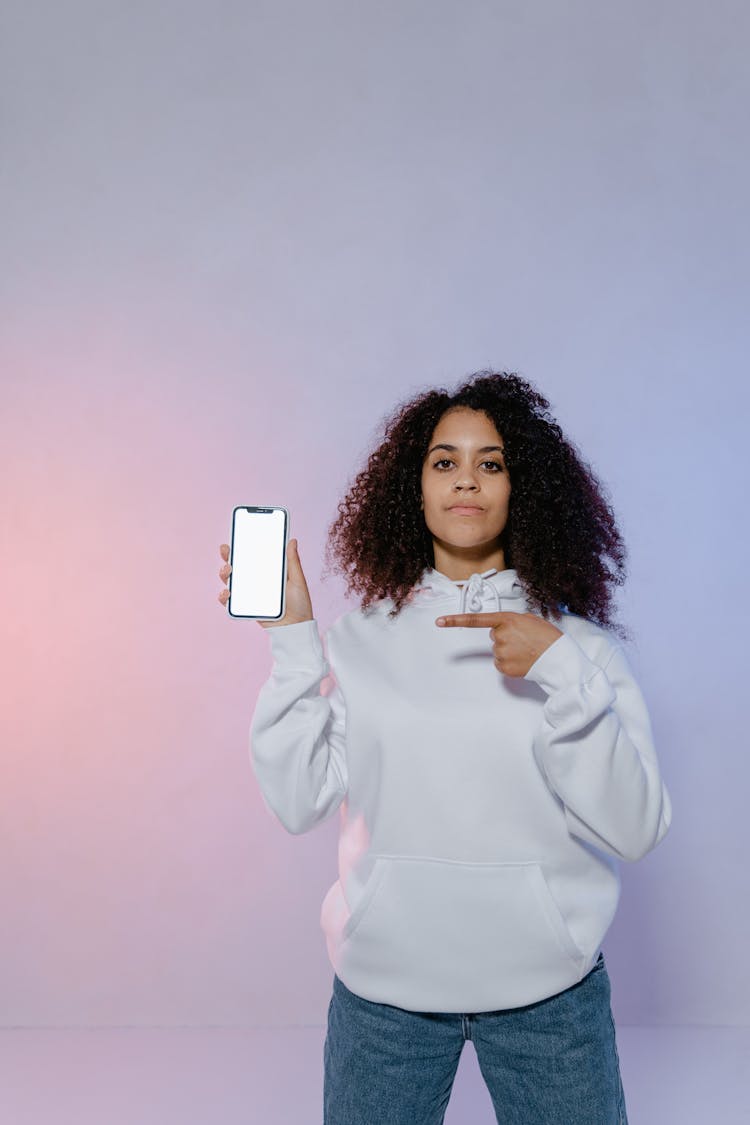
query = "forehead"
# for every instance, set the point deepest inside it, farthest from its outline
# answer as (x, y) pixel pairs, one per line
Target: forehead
(461, 424)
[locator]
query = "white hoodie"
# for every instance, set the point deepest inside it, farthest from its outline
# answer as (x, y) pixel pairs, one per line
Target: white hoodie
(482, 815)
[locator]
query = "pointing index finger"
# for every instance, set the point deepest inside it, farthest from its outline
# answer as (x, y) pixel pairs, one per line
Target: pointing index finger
(470, 620)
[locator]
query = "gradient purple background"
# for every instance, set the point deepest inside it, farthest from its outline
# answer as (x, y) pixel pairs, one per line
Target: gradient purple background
(234, 237)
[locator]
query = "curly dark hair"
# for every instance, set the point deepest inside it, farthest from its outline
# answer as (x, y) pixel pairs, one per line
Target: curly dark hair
(560, 530)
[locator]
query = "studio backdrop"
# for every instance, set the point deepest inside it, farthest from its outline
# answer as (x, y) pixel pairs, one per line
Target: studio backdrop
(234, 236)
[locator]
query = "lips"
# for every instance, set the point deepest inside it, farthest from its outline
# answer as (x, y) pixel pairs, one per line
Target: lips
(465, 509)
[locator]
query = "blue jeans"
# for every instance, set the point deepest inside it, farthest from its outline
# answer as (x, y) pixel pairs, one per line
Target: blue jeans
(553, 1062)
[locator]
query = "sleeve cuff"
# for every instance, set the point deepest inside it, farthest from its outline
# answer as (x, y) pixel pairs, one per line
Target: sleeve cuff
(297, 645)
(561, 665)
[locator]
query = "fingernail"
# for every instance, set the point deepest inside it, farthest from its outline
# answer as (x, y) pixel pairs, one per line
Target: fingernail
(440, 621)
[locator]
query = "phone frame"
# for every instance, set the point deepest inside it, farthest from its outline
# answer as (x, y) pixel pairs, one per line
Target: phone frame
(259, 508)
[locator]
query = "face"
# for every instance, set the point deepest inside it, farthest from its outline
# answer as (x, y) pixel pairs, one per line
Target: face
(471, 471)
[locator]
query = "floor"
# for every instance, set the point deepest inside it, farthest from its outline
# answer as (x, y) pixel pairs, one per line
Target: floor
(215, 1076)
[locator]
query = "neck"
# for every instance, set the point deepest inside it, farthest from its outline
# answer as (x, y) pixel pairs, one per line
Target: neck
(459, 563)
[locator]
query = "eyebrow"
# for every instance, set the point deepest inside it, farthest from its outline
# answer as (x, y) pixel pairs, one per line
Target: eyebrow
(454, 448)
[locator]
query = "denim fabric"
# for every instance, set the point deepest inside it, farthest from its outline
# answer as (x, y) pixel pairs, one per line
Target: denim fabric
(553, 1062)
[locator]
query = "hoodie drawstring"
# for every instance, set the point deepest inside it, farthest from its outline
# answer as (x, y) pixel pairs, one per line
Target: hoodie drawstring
(473, 591)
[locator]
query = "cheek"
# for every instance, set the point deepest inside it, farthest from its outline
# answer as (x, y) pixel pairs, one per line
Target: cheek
(429, 491)
(502, 502)
(501, 492)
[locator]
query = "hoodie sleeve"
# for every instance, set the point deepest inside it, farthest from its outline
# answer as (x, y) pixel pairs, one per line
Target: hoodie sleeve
(297, 735)
(595, 747)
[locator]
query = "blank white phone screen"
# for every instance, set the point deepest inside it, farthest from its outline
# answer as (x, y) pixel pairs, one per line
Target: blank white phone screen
(258, 543)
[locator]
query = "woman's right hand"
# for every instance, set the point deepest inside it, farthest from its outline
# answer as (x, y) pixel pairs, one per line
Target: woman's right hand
(298, 604)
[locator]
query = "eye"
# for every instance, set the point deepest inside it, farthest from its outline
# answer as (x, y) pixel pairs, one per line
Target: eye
(448, 461)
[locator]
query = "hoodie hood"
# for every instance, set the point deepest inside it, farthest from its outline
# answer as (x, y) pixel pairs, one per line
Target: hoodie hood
(480, 593)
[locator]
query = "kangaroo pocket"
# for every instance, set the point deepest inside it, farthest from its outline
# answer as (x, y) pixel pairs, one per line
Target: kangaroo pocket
(443, 935)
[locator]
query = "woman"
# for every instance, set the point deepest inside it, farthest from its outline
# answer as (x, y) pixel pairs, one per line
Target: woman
(491, 756)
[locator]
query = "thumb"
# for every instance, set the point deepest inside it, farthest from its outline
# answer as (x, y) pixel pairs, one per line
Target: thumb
(292, 555)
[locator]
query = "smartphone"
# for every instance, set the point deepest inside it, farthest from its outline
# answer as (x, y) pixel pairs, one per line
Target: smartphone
(257, 581)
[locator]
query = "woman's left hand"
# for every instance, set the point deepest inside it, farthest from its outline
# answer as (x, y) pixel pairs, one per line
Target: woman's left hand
(518, 639)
